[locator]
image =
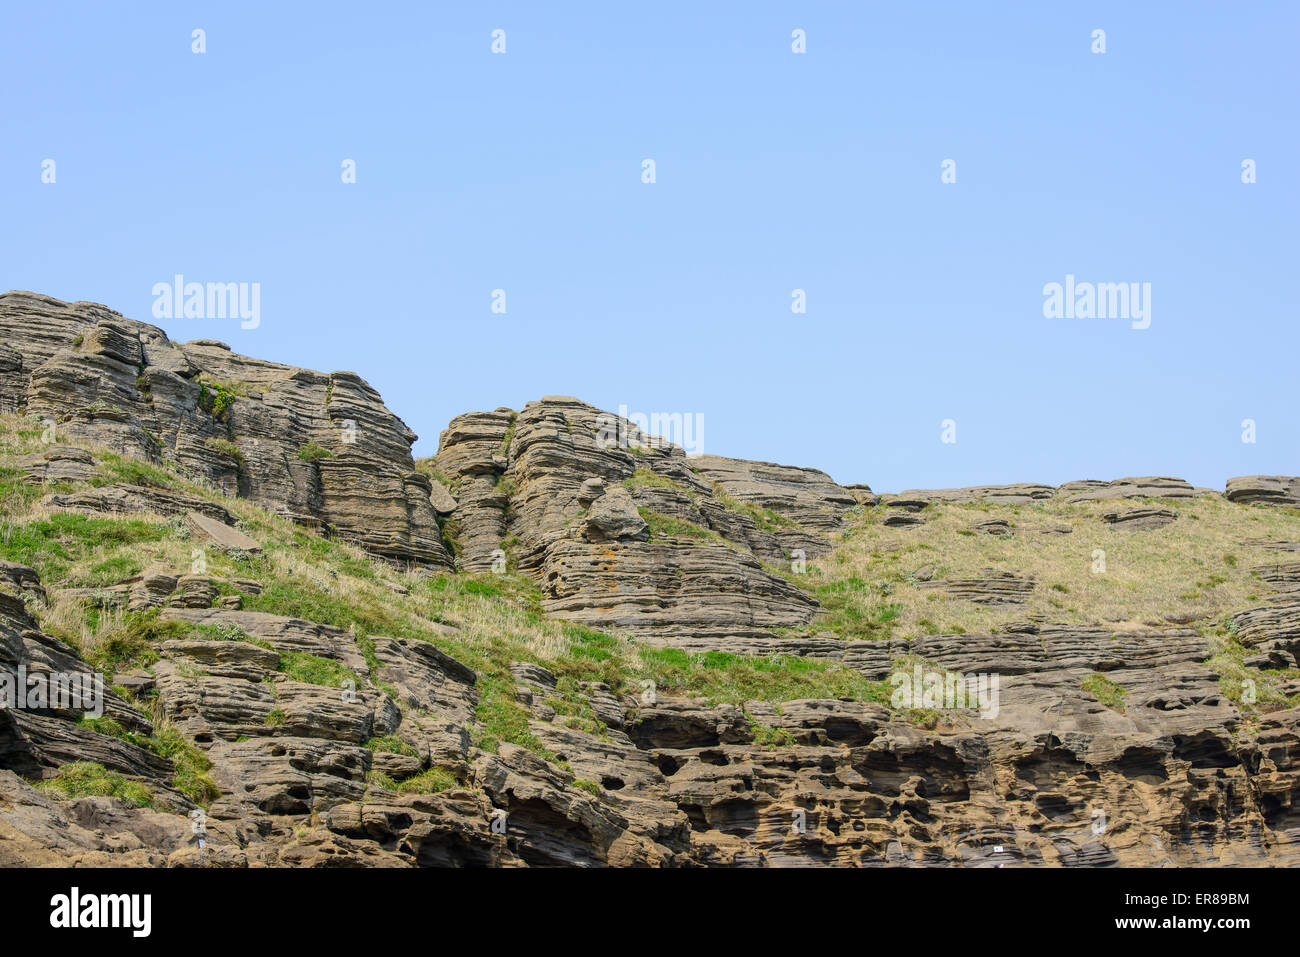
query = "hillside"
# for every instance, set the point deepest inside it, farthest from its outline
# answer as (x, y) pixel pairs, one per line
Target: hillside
(538, 648)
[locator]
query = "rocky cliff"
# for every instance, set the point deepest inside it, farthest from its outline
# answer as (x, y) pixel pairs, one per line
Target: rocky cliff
(547, 646)
(319, 447)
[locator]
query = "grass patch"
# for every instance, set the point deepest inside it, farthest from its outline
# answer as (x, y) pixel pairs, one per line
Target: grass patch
(1108, 692)
(665, 526)
(311, 452)
(314, 670)
(88, 779)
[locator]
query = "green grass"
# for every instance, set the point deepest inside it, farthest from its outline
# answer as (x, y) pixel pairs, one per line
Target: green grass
(314, 670)
(190, 765)
(665, 526)
(225, 447)
(114, 469)
(216, 396)
(431, 781)
(722, 677)
(648, 478)
(311, 452)
(1108, 692)
(113, 570)
(855, 609)
(52, 545)
(502, 718)
(391, 744)
(590, 644)
(764, 518)
(88, 779)
(769, 737)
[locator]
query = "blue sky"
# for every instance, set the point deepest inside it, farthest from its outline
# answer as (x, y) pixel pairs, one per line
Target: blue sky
(774, 171)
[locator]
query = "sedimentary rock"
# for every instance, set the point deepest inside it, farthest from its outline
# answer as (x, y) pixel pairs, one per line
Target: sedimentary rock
(1139, 518)
(328, 746)
(1147, 487)
(322, 448)
(1264, 489)
(547, 480)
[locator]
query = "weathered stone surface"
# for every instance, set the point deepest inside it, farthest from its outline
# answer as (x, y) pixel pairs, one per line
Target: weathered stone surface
(111, 381)
(38, 831)
(902, 520)
(395, 766)
(1147, 487)
(546, 478)
(1139, 518)
(1282, 576)
(194, 591)
(223, 536)
(61, 463)
(993, 588)
(613, 518)
(1269, 623)
(441, 498)
(807, 496)
(1264, 489)
(150, 590)
(669, 588)
(120, 499)
(1089, 490)
(1018, 494)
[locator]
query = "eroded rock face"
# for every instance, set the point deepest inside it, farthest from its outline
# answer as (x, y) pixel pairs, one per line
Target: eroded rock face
(807, 496)
(1139, 519)
(570, 507)
(1088, 490)
(1264, 489)
(319, 447)
(671, 781)
(636, 537)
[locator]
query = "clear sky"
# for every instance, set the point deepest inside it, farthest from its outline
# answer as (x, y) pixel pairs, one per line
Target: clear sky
(774, 171)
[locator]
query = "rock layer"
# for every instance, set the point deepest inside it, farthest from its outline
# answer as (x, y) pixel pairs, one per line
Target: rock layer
(319, 447)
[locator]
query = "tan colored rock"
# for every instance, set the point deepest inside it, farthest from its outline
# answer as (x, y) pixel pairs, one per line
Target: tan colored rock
(110, 381)
(223, 536)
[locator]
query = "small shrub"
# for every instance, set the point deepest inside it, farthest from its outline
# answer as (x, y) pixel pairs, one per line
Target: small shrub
(311, 452)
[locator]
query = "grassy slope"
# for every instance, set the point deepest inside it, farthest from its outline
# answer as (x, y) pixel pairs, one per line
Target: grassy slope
(498, 617)
(1197, 569)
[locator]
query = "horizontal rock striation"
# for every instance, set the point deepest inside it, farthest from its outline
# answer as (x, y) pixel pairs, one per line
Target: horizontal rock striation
(1264, 489)
(324, 744)
(624, 531)
(321, 448)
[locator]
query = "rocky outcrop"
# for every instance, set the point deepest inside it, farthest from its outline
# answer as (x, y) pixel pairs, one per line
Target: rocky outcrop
(991, 588)
(319, 447)
(807, 497)
(1082, 744)
(1088, 490)
(1147, 487)
(628, 532)
(1264, 489)
(1139, 518)
(1002, 494)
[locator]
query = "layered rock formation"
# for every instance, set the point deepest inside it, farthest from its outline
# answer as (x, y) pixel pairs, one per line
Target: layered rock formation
(321, 448)
(1090, 745)
(562, 489)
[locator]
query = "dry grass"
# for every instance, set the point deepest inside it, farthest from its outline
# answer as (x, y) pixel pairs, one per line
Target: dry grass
(1195, 568)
